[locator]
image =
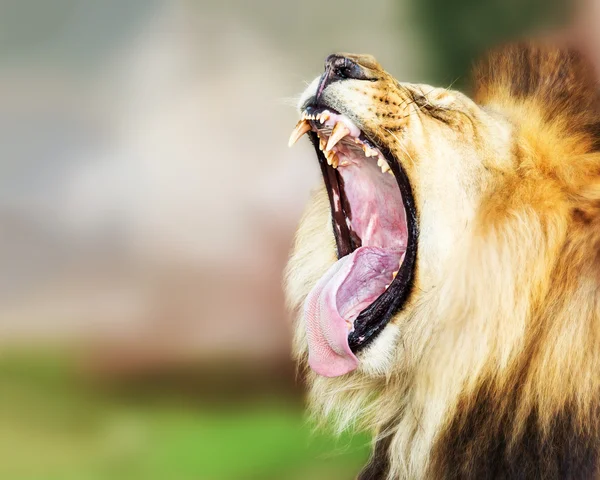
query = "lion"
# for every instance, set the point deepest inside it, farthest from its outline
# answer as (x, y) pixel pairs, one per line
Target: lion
(445, 278)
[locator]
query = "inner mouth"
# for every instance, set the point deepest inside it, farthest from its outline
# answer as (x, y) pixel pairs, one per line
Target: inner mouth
(374, 226)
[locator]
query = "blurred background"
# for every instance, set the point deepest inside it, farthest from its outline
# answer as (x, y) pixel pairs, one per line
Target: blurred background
(148, 202)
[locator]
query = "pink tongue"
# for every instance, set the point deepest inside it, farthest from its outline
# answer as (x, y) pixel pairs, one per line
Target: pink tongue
(349, 286)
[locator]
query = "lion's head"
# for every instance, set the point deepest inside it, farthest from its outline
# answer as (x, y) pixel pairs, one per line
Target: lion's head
(450, 251)
(405, 167)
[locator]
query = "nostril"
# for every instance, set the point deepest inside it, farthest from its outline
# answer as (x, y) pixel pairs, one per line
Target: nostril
(348, 71)
(339, 67)
(345, 68)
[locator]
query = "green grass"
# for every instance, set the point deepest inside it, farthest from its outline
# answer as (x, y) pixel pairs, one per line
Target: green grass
(54, 428)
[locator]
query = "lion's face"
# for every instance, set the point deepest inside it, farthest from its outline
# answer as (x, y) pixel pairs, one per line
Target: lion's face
(404, 169)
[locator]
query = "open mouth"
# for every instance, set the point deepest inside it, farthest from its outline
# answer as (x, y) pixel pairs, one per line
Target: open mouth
(375, 228)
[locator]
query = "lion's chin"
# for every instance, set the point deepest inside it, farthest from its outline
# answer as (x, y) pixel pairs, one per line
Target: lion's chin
(353, 300)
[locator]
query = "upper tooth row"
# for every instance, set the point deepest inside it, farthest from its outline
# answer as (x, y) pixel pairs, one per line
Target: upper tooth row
(321, 117)
(340, 130)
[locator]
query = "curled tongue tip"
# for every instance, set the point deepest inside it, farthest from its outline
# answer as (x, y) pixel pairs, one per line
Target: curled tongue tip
(346, 289)
(333, 368)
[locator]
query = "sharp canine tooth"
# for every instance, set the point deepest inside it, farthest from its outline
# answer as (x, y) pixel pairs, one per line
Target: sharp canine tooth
(301, 128)
(324, 117)
(339, 131)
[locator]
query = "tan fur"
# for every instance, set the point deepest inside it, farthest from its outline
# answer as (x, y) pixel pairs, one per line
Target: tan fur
(506, 295)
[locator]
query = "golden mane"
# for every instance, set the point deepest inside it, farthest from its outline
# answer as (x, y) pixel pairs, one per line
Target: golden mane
(537, 235)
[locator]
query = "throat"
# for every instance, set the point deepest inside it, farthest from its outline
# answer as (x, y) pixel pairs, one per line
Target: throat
(372, 205)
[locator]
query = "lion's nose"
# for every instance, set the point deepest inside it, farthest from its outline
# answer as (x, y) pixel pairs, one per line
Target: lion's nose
(343, 67)
(340, 66)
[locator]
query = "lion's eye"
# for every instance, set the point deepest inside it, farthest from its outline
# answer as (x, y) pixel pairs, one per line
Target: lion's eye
(420, 100)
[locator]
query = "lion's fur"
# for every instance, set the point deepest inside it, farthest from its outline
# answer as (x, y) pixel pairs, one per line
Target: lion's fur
(498, 346)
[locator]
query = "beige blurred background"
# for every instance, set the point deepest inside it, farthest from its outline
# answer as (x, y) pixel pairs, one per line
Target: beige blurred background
(148, 202)
(148, 198)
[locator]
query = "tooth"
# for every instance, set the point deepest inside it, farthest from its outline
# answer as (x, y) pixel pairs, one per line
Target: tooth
(369, 152)
(394, 274)
(339, 131)
(322, 143)
(301, 128)
(335, 161)
(324, 117)
(330, 156)
(381, 163)
(387, 286)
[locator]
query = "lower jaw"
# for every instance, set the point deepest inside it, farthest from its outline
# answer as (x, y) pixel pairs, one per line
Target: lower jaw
(349, 286)
(369, 318)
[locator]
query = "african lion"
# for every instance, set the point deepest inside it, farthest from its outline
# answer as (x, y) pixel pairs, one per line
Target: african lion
(446, 278)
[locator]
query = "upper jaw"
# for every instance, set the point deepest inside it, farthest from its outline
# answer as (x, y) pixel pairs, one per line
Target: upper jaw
(338, 127)
(327, 101)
